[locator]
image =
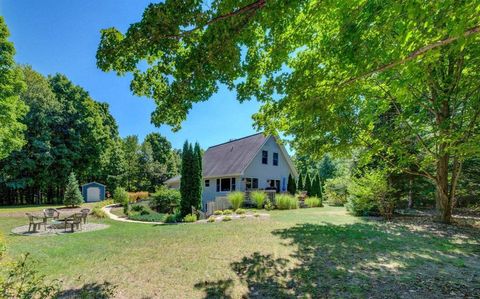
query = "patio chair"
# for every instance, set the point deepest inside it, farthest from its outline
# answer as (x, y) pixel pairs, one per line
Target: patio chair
(85, 213)
(35, 222)
(75, 221)
(51, 213)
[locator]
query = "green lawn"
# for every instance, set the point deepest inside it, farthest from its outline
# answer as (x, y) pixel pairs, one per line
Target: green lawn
(320, 252)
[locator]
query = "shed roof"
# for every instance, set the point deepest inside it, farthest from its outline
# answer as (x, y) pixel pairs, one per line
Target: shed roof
(93, 183)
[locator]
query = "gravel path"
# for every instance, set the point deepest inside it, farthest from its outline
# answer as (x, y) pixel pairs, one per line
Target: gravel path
(88, 227)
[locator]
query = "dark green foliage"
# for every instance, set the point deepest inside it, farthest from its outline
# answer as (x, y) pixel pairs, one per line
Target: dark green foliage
(165, 200)
(316, 187)
(73, 197)
(327, 168)
(300, 185)
(12, 108)
(150, 216)
(291, 186)
(191, 178)
(120, 196)
(308, 184)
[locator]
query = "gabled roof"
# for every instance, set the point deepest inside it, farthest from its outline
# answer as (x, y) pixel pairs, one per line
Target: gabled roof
(93, 183)
(231, 158)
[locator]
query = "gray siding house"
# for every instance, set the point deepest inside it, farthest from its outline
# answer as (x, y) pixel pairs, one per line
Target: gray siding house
(255, 162)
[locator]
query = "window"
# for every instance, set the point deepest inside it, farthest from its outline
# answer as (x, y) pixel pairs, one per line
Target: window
(264, 157)
(225, 185)
(218, 185)
(233, 184)
(275, 159)
(251, 183)
(207, 183)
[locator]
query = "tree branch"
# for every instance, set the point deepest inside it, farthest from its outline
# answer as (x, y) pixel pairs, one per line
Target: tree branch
(245, 9)
(415, 54)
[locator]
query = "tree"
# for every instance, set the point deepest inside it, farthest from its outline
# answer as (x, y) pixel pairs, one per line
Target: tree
(308, 185)
(327, 168)
(12, 108)
(187, 179)
(291, 186)
(323, 70)
(316, 186)
(197, 177)
(131, 149)
(300, 185)
(73, 197)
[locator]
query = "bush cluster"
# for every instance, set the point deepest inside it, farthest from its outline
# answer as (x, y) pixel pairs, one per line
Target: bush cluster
(148, 216)
(336, 190)
(286, 202)
(136, 196)
(313, 202)
(218, 212)
(97, 208)
(165, 200)
(236, 199)
(120, 196)
(258, 197)
(227, 212)
(240, 211)
(190, 218)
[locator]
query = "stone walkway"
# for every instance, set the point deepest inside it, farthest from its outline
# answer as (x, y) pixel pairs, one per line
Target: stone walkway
(89, 227)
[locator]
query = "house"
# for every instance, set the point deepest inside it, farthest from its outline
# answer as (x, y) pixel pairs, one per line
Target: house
(93, 192)
(255, 162)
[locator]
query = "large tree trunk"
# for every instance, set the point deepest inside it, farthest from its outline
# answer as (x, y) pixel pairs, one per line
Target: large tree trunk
(443, 198)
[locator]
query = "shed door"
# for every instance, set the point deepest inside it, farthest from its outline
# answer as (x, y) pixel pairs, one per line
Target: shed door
(93, 194)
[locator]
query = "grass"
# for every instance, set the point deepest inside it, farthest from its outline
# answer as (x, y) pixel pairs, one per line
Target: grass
(317, 252)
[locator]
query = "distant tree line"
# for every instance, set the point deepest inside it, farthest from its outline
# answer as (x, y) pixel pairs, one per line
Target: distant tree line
(50, 127)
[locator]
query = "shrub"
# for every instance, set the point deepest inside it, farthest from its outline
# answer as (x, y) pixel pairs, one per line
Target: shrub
(370, 195)
(240, 211)
(227, 212)
(218, 212)
(136, 196)
(190, 218)
(2, 246)
(73, 196)
(243, 216)
(227, 218)
(148, 217)
(24, 281)
(312, 202)
(269, 205)
(236, 199)
(97, 208)
(286, 202)
(336, 190)
(256, 215)
(164, 200)
(211, 219)
(258, 197)
(138, 208)
(120, 196)
(172, 218)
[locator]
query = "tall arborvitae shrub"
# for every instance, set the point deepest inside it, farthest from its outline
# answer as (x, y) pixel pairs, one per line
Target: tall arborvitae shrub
(291, 186)
(316, 187)
(73, 196)
(300, 185)
(308, 185)
(186, 179)
(197, 178)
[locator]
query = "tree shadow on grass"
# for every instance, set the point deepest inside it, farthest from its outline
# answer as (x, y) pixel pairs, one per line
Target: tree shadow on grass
(103, 290)
(375, 260)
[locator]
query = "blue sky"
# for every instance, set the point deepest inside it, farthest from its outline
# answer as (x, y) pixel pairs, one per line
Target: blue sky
(62, 37)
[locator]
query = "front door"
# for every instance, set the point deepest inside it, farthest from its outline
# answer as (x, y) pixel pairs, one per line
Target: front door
(93, 194)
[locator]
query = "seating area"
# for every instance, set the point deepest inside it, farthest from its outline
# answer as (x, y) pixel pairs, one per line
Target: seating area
(52, 219)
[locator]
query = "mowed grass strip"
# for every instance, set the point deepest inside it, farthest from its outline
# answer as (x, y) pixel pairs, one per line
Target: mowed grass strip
(305, 252)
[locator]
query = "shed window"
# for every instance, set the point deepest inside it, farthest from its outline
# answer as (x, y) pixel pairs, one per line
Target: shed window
(218, 185)
(264, 157)
(233, 184)
(207, 183)
(275, 159)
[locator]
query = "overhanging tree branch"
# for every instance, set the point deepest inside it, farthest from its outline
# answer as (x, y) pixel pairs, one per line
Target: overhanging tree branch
(415, 54)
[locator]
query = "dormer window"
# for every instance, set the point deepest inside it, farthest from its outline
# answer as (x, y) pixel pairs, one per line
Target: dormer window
(275, 159)
(264, 157)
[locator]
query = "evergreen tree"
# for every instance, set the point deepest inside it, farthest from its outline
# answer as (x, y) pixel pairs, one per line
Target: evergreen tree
(316, 187)
(327, 168)
(186, 179)
(291, 186)
(300, 185)
(197, 177)
(73, 196)
(308, 185)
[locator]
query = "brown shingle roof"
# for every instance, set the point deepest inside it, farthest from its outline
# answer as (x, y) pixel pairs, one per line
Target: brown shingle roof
(231, 157)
